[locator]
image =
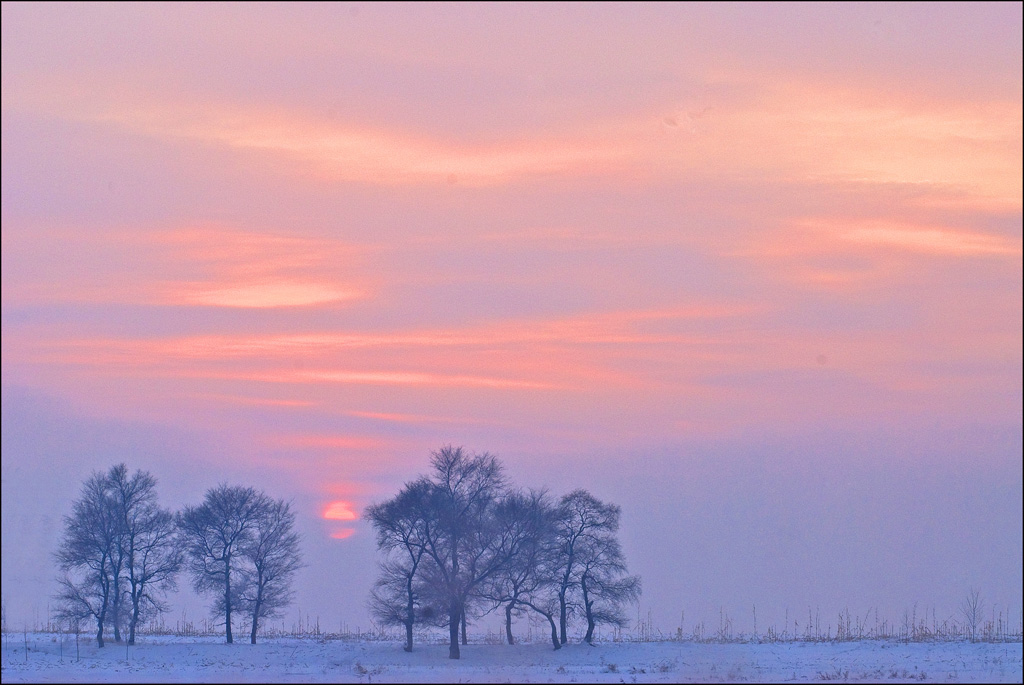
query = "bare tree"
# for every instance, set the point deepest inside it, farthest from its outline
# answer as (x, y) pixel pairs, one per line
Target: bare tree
(86, 556)
(272, 552)
(604, 587)
(393, 600)
(460, 541)
(972, 609)
(401, 524)
(148, 545)
(544, 603)
(581, 518)
(464, 543)
(524, 581)
(154, 561)
(216, 534)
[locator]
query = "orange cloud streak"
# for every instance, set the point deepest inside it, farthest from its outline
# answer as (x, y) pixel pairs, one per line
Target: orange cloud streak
(215, 266)
(806, 130)
(343, 533)
(935, 240)
(256, 270)
(340, 151)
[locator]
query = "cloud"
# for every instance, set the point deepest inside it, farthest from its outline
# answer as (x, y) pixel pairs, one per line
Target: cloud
(261, 294)
(335, 151)
(251, 269)
(343, 533)
(936, 241)
(194, 265)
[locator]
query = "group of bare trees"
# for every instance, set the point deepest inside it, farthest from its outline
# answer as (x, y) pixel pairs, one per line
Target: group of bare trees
(458, 543)
(121, 553)
(243, 549)
(462, 542)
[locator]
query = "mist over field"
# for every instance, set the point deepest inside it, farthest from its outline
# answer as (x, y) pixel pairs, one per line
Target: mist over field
(750, 273)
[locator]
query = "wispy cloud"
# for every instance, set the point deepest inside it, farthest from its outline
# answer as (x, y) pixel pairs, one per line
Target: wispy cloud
(208, 265)
(936, 241)
(335, 150)
(249, 269)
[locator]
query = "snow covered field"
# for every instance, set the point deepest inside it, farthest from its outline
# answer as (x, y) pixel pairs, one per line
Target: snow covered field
(51, 658)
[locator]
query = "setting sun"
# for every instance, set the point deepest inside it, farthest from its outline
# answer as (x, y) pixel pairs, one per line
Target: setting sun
(340, 511)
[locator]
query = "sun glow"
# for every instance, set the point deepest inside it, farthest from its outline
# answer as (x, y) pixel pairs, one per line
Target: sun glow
(340, 510)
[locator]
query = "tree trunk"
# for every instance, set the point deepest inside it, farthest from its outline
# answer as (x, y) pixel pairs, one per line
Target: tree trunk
(463, 623)
(562, 590)
(589, 637)
(116, 607)
(554, 633)
(454, 617)
(588, 605)
(255, 622)
(410, 613)
(455, 607)
(562, 622)
(105, 587)
(551, 620)
(508, 623)
(257, 608)
(227, 601)
(134, 621)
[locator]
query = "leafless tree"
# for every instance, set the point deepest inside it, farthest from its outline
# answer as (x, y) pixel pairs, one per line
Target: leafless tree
(216, 533)
(401, 524)
(465, 545)
(972, 609)
(273, 556)
(395, 598)
(148, 547)
(86, 555)
(128, 546)
(581, 519)
(525, 581)
(604, 585)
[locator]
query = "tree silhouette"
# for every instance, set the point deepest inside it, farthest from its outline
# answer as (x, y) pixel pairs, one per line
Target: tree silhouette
(216, 534)
(273, 556)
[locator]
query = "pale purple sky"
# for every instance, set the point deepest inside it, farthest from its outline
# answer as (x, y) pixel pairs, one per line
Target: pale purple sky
(752, 272)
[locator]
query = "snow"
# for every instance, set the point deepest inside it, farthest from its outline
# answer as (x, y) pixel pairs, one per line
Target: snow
(52, 658)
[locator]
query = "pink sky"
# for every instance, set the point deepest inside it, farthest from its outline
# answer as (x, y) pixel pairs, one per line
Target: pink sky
(752, 272)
